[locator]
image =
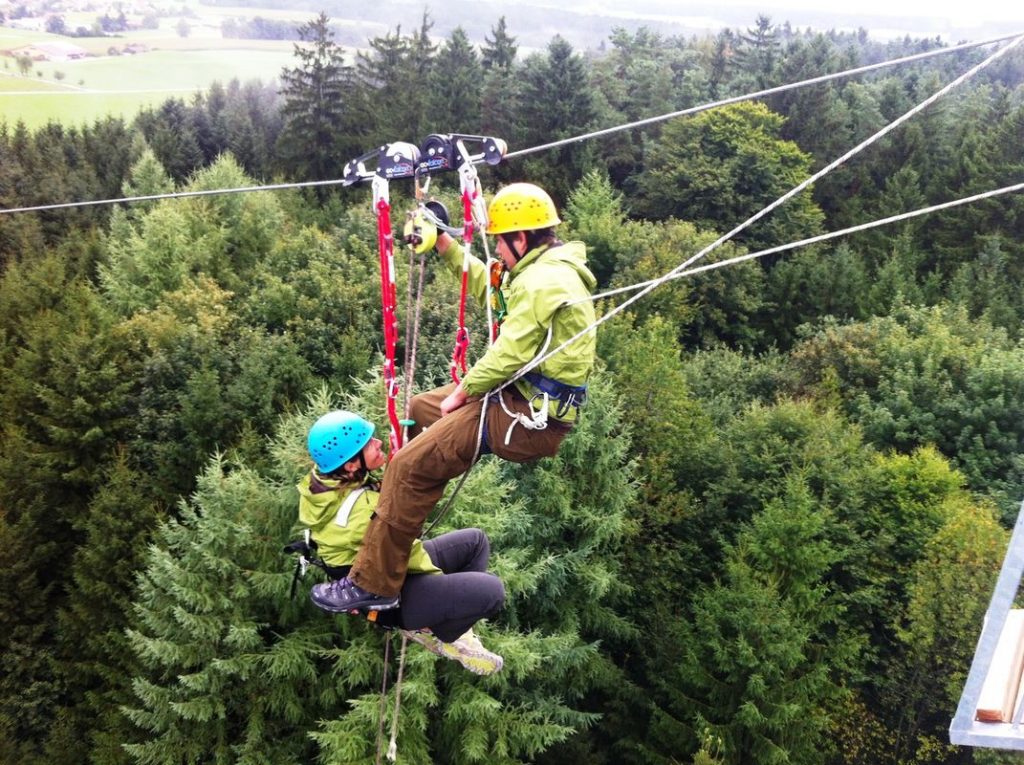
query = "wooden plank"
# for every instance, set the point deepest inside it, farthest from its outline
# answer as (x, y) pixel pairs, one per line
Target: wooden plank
(998, 697)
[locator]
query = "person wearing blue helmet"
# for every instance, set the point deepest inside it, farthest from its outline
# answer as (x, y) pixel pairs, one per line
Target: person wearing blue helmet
(448, 589)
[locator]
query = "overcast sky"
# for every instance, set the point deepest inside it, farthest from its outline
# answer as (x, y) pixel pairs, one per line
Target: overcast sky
(974, 11)
(946, 17)
(952, 20)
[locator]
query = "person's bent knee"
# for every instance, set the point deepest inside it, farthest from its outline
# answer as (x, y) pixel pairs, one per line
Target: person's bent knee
(419, 411)
(480, 541)
(496, 592)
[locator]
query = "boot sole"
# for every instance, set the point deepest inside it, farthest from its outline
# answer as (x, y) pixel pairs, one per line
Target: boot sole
(346, 609)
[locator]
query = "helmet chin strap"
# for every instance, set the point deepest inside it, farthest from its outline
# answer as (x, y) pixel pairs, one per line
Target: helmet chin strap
(510, 243)
(362, 465)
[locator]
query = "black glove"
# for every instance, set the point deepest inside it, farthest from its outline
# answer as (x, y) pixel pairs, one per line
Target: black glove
(439, 210)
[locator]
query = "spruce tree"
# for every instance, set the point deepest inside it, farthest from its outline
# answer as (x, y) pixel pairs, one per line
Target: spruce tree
(317, 106)
(455, 83)
(235, 672)
(988, 285)
(500, 96)
(394, 79)
(723, 55)
(755, 670)
(171, 134)
(19, 234)
(64, 402)
(178, 243)
(950, 586)
(231, 665)
(813, 284)
(499, 52)
(557, 103)
(597, 214)
(758, 53)
(95, 661)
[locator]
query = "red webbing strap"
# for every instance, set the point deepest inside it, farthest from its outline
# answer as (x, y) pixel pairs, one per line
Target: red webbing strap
(388, 300)
(462, 334)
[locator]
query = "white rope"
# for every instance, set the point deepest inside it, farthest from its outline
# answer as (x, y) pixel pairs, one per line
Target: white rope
(759, 94)
(764, 211)
(392, 752)
(538, 419)
(172, 195)
(523, 152)
(811, 240)
(383, 699)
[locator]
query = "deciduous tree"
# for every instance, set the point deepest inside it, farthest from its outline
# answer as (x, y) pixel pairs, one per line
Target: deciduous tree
(720, 168)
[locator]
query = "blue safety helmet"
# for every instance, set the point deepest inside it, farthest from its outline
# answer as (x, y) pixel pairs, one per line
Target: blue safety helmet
(336, 438)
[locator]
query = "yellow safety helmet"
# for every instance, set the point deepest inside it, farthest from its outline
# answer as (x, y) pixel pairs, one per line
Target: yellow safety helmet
(419, 233)
(521, 207)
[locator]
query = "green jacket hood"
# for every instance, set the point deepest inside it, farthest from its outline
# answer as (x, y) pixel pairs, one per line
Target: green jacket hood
(317, 507)
(573, 254)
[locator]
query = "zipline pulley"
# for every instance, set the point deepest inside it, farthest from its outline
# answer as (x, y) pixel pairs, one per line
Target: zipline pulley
(447, 151)
(440, 152)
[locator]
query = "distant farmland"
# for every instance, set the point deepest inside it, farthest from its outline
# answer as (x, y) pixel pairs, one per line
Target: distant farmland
(123, 85)
(81, 91)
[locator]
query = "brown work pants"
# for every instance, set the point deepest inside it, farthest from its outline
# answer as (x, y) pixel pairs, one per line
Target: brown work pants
(441, 449)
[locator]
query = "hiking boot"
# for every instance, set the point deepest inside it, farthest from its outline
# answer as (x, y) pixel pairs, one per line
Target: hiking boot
(467, 650)
(343, 596)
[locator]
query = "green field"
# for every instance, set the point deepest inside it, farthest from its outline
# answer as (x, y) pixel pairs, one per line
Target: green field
(77, 92)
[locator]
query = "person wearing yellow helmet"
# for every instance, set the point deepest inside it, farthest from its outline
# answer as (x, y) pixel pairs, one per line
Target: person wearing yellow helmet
(546, 285)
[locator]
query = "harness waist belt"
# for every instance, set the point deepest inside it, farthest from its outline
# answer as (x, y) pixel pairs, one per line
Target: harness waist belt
(567, 395)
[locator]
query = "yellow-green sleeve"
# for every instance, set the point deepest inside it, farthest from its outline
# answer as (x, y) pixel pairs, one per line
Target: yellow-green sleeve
(478, 277)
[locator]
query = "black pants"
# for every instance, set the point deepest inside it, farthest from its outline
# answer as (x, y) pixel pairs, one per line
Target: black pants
(452, 602)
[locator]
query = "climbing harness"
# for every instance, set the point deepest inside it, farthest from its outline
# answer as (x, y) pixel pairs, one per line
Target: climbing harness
(305, 548)
(567, 396)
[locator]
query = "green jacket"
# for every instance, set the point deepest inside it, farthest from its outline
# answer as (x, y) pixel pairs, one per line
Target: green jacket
(544, 280)
(339, 534)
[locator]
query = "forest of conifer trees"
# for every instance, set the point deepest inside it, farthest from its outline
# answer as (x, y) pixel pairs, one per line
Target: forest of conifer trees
(772, 537)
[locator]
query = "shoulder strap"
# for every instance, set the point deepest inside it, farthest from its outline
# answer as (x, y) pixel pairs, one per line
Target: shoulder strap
(346, 507)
